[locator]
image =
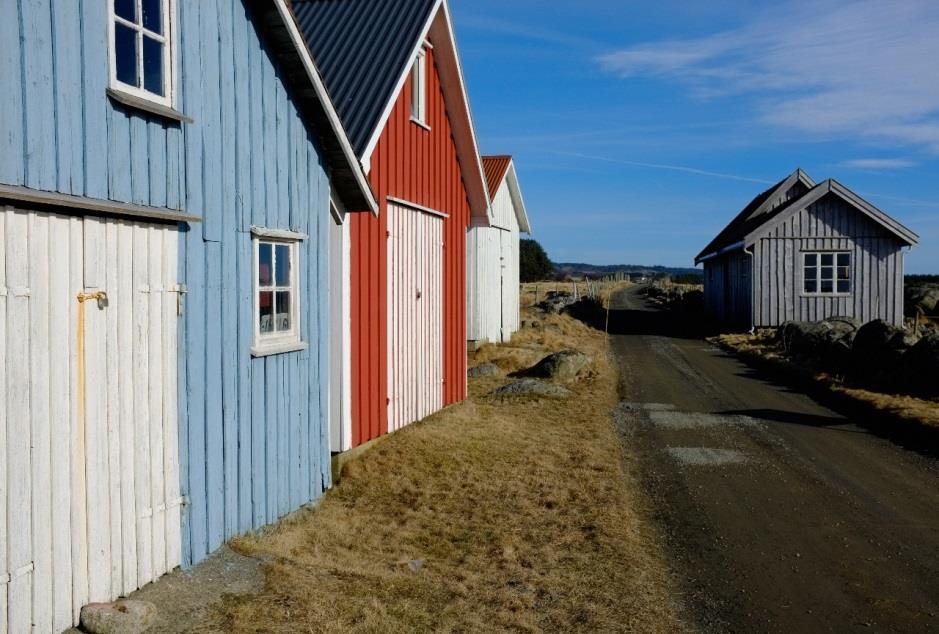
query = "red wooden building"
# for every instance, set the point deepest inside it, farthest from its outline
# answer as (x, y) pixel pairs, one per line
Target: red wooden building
(394, 73)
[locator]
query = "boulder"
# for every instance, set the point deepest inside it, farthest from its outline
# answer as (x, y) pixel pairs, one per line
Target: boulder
(484, 369)
(556, 301)
(531, 387)
(125, 616)
(560, 366)
(922, 364)
(878, 350)
(923, 299)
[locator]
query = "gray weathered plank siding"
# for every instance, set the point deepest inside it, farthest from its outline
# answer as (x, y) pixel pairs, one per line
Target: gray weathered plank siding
(830, 224)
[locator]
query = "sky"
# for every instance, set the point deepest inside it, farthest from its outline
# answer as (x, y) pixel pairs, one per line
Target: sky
(641, 128)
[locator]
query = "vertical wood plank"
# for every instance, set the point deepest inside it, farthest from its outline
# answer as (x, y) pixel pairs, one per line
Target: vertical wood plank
(18, 400)
(155, 460)
(68, 92)
(112, 395)
(122, 304)
(96, 430)
(76, 465)
(5, 486)
(12, 151)
(214, 436)
(170, 405)
(95, 159)
(40, 428)
(141, 400)
(38, 95)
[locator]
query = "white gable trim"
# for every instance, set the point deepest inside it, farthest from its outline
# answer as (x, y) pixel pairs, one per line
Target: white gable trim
(794, 178)
(521, 213)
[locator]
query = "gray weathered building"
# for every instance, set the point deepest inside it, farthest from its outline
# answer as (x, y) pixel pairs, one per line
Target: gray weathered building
(802, 251)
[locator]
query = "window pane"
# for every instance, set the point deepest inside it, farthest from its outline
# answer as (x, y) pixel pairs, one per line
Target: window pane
(811, 286)
(265, 264)
(127, 9)
(811, 259)
(844, 286)
(125, 54)
(844, 259)
(283, 311)
(827, 286)
(153, 66)
(828, 259)
(844, 273)
(811, 273)
(266, 311)
(283, 265)
(153, 15)
(828, 273)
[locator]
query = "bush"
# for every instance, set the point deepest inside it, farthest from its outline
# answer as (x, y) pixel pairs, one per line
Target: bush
(534, 264)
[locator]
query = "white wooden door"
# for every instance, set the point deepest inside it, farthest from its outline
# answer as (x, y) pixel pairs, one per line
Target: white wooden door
(415, 320)
(89, 496)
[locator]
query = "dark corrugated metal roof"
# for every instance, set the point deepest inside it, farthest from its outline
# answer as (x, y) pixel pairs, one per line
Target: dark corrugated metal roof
(362, 47)
(495, 168)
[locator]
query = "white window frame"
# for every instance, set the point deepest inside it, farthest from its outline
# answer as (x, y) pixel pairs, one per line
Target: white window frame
(818, 274)
(266, 344)
(419, 88)
(169, 55)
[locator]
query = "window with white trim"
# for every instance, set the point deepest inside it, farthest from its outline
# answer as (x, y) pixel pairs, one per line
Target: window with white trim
(419, 88)
(276, 295)
(141, 49)
(826, 273)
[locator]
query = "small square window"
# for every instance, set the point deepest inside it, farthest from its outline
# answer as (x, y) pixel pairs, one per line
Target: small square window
(141, 49)
(276, 301)
(826, 273)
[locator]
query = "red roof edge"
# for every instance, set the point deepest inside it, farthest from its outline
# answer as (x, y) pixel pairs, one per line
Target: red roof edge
(496, 168)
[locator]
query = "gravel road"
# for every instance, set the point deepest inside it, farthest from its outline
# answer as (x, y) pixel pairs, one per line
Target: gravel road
(779, 515)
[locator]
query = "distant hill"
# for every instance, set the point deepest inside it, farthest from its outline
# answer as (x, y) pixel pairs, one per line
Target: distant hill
(578, 269)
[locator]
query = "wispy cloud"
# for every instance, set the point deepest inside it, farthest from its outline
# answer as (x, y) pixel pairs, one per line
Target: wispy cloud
(879, 164)
(834, 68)
(671, 168)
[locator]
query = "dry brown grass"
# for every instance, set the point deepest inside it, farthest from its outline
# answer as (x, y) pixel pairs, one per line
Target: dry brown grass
(535, 291)
(763, 345)
(525, 515)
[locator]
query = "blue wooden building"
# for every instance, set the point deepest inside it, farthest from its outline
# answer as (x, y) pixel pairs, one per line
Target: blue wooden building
(170, 171)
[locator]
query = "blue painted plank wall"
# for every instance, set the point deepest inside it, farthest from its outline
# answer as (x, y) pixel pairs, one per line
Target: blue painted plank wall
(59, 131)
(256, 439)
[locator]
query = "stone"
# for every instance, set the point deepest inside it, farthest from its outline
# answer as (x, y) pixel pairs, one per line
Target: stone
(531, 387)
(922, 298)
(484, 369)
(125, 616)
(562, 366)
(922, 364)
(878, 349)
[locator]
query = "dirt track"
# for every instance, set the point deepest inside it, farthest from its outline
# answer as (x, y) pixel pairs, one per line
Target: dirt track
(779, 514)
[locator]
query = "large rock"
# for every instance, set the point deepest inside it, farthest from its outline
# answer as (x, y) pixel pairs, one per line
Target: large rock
(531, 387)
(484, 369)
(556, 301)
(818, 339)
(560, 366)
(125, 616)
(923, 298)
(878, 350)
(922, 364)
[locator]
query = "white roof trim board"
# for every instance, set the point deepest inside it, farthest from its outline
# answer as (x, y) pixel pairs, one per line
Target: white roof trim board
(450, 68)
(831, 186)
(515, 191)
(785, 186)
(314, 76)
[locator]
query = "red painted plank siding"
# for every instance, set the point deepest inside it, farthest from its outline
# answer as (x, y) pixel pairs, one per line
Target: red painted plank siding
(419, 166)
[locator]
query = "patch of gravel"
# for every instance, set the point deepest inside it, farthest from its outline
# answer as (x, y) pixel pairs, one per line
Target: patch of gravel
(706, 456)
(531, 387)
(647, 407)
(694, 420)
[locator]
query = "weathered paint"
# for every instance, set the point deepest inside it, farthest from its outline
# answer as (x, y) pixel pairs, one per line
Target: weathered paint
(415, 320)
(493, 280)
(255, 444)
(771, 281)
(89, 493)
(420, 166)
(830, 224)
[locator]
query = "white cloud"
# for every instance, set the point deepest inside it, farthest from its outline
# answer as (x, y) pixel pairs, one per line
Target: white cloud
(879, 164)
(863, 68)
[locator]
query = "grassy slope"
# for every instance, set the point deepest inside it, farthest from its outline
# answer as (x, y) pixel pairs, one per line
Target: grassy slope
(523, 515)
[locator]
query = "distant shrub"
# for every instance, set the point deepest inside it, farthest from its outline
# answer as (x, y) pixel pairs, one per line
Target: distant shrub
(922, 279)
(534, 264)
(688, 278)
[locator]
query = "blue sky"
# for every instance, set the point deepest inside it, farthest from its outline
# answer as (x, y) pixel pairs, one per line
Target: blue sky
(640, 129)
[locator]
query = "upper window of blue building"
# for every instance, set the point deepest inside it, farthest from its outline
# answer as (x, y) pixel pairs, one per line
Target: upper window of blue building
(142, 56)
